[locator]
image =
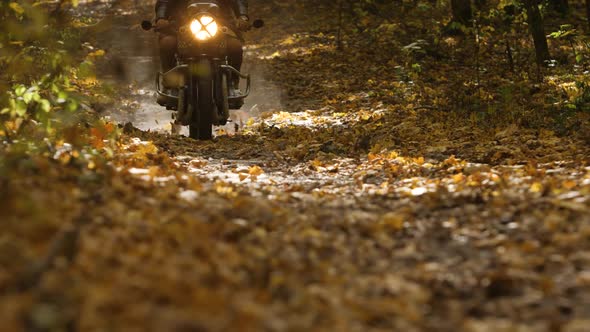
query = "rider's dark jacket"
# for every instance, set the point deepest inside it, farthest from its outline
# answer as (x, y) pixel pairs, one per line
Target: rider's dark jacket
(167, 9)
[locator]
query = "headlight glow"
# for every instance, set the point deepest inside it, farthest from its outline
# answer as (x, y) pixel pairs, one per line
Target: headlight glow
(196, 27)
(212, 28)
(204, 27)
(202, 35)
(206, 19)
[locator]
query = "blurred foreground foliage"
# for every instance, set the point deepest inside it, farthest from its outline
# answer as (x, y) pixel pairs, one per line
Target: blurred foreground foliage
(48, 87)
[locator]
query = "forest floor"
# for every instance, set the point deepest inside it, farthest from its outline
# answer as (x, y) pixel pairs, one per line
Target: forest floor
(338, 205)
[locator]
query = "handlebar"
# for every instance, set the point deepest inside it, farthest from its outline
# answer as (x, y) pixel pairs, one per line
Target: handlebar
(148, 25)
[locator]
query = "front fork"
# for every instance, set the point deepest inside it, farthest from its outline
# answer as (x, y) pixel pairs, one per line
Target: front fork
(182, 79)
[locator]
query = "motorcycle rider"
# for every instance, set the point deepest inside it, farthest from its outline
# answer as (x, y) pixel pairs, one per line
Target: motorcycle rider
(235, 15)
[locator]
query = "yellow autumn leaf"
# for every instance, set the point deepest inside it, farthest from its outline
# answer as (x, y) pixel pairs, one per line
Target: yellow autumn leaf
(458, 177)
(392, 220)
(97, 53)
(17, 8)
(255, 171)
(569, 184)
(243, 176)
(536, 187)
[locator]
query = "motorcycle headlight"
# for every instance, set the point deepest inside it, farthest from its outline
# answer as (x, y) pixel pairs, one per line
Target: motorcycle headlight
(204, 27)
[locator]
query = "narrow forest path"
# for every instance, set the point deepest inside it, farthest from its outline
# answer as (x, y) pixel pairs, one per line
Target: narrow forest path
(305, 234)
(299, 222)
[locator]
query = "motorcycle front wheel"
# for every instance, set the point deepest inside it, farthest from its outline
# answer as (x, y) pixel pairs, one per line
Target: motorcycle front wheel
(204, 104)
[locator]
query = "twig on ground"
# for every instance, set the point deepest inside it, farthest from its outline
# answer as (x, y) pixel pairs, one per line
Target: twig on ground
(425, 107)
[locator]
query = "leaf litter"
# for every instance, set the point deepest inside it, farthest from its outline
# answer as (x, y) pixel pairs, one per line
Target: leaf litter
(357, 217)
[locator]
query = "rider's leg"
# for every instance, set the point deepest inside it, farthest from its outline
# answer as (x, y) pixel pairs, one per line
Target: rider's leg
(235, 57)
(167, 45)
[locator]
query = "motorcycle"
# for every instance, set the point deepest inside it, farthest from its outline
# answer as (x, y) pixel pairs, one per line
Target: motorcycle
(200, 89)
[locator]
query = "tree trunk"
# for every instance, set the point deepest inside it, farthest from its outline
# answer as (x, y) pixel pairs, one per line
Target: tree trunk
(461, 10)
(588, 12)
(537, 30)
(339, 34)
